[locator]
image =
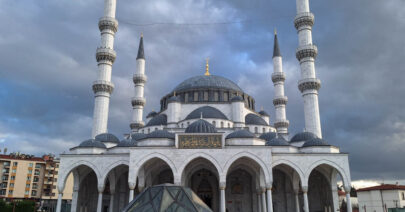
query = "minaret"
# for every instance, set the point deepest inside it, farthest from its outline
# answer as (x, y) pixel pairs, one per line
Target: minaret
(306, 54)
(280, 100)
(138, 101)
(105, 56)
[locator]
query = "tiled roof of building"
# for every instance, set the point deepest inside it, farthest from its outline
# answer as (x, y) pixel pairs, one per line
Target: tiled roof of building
(10, 157)
(383, 187)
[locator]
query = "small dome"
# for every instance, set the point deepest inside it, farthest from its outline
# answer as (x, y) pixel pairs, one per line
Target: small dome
(158, 120)
(207, 112)
(302, 136)
(241, 134)
(126, 143)
(107, 137)
(92, 143)
(201, 126)
(253, 119)
(137, 136)
(264, 113)
(237, 99)
(174, 99)
(268, 136)
(277, 142)
(160, 134)
(315, 142)
(151, 114)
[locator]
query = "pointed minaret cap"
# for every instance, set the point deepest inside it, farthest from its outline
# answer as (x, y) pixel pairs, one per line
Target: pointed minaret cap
(141, 54)
(276, 50)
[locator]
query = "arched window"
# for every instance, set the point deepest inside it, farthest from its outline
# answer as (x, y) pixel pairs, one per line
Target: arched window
(186, 97)
(148, 130)
(264, 130)
(182, 125)
(156, 128)
(216, 96)
(205, 95)
(214, 123)
(222, 124)
(226, 97)
(229, 125)
(196, 96)
(256, 130)
(188, 123)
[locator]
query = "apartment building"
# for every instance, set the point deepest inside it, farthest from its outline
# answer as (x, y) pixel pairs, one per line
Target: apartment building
(29, 177)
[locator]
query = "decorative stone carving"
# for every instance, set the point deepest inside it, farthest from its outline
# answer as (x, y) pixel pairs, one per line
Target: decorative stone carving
(281, 100)
(105, 54)
(304, 19)
(278, 77)
(108, 23)
(281, 124)
(138, 101)
(306, 51)
(139, 78)
(309, 84)
(103, 86)
(136, 125)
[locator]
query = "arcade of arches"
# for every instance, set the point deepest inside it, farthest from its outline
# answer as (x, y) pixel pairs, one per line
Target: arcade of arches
(242, 189)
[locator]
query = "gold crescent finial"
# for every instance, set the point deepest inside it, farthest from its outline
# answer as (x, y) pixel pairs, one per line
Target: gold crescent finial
(275, 31)
(141, 34)
(207, 67)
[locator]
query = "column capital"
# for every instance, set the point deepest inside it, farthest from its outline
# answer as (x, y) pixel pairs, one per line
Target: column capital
(222, 185)
(100, 188)
(304, 189)
(131, 185)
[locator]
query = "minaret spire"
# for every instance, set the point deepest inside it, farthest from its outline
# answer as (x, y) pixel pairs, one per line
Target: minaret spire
(306, 54)
(139, 78)
(105, 55)
(280, 100)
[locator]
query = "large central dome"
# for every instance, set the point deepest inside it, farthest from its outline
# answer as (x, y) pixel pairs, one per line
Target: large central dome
(210, 81)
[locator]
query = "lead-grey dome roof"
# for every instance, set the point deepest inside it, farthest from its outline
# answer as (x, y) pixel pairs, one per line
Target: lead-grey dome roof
(126, 143)
(210, 81)
(201, 126)
(254, 119)
(158, 120)
(137, 136)
(264, 113)
(207, 112)
(268, 136)
(107, 137)
(151, 114)
(302, 136)
(277, 142)
(174, 99)
(160, 134)
(237, 99)
(315, 142)
(241, 134)
(92, 143)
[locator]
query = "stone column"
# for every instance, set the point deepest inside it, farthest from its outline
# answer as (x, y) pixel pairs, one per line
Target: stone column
(305, 193)
(222, 200)
(264, 208)
(131, 190)
(59, 203)
(269, 201)
(74, 200)
(297, 202)
(112, 192)
(259, 203)
(100, 198)
(349, 201)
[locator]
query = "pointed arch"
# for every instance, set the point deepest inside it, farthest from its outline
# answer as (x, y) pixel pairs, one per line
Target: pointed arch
(339, 169)
(292, 165)
(63, 175)
(112, 166)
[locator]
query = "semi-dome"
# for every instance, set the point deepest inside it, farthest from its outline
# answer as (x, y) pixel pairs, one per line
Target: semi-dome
(174, 99)
(315, 142)
(127, 143)
(206, 112)
(158, 120)
(201, 126)
(137, 136)
(268, 136)
(277, 142)
(211, 82)
(160, 134)
(302, 136)
(92, 144)
(264, 113)
(240, 134)
(107, 137)
(253, 119)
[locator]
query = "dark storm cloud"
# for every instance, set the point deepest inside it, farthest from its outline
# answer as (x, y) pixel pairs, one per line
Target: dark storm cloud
(47, 66)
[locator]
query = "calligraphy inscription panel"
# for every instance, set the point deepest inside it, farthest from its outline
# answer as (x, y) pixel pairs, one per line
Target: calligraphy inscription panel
(200, 141)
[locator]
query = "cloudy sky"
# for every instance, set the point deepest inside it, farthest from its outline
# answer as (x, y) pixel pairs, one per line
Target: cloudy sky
(47, 66)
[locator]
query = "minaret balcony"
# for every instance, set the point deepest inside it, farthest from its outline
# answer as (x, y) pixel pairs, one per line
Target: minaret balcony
(282, 123)
(137, 125)
(108, 23)
(309, 84)
(278, 77)
(139, 78)
(105, 54)
(280, 100)
(306, 51)
(138, 101)
(306, 19)
(103, 86)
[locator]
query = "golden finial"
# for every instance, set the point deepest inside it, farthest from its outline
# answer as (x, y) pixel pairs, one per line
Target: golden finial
(141, 34)
(174, 93)
(207, 67)
(275, 31)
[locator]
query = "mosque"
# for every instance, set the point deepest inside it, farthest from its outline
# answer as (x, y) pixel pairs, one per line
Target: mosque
(209, 136)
